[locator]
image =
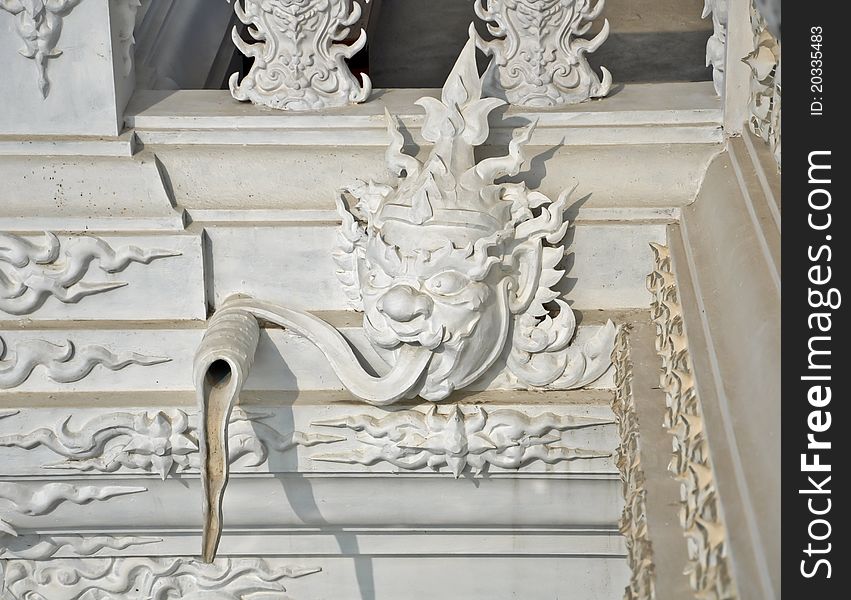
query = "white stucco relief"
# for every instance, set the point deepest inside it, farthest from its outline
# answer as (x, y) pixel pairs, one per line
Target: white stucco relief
(42, 547)
(452, 271)
(299, 60)
(63, 363)
(39, 25)
(161, 442)
(33, 271)
(540, 53)
(476, 437)
(34, 500)
(716, 47)
(141, 578)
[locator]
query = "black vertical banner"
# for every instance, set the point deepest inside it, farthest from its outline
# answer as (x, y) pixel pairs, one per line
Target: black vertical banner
(816, 422)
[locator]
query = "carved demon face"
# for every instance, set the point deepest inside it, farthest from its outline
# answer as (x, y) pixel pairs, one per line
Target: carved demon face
(447, 260)
(441, 297)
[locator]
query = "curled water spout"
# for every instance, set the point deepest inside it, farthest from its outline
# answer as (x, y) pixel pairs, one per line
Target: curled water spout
(221, 367)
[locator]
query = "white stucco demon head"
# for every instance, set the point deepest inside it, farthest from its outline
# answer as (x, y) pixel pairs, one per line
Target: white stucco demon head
(449, 260)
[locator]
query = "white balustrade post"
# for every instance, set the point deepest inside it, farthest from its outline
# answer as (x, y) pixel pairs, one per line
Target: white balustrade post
(539, 51)
(299, 60)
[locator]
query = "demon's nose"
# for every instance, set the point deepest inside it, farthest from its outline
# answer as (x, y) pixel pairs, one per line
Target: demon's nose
(403, 303)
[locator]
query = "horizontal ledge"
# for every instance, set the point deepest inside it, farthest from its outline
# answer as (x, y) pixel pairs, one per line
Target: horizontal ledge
(395, 542)
(95, 224)
(270, 217)
(185, 399)
(122, 145)
(250, 476)
(635, 114)
(337, 318)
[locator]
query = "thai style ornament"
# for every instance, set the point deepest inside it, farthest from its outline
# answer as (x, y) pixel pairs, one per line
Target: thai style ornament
(539, 51)
(709, 569)
(31, 271)
(34, 500)
(633, 521)
(454, 273)
(63, 363)
(505, 438)
(164, 442)
(39, 24)
(766, 86)
(299, 62)
(716, 47)
(144, 578)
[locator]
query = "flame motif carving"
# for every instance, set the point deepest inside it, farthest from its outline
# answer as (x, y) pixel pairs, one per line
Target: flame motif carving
(31, 272)
(299, 63)
(63, 363)
(39, 24)
(504, 438)
(42, 547)
(539, 51)
(140, 578)
(162, 442)
(29, 500)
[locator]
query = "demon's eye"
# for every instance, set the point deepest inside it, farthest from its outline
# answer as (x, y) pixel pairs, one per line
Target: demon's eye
(379, 279)
(447, 283)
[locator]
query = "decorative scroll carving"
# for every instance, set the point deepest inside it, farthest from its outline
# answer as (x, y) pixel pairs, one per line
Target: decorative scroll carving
(451, 270)
(141, 578)
(716, 47)
(539, 52)
(710, 573)
(161, 442)
(63, 363)
(764, 62)
(633, 523)
(39, 25)
(42, 547)
(31, 272)
(505, 438)
(40, 500)
(299, 63)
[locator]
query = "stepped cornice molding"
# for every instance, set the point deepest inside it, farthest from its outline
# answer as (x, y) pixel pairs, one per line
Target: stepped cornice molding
(164, 442)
